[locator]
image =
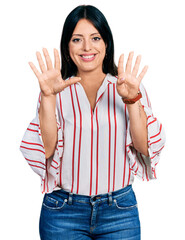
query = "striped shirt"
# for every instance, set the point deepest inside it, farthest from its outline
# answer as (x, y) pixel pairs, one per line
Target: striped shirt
(94, 153)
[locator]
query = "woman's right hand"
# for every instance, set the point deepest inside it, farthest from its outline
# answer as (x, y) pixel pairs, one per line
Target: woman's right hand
(50, 79)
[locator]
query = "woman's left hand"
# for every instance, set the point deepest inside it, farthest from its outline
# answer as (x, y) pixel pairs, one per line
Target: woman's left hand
(128, 83)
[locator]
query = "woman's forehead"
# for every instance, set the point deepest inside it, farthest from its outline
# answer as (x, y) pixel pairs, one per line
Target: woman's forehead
(85, 27)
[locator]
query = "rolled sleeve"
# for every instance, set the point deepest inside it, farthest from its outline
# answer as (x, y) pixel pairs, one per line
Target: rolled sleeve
(142, 166)
(32, 148)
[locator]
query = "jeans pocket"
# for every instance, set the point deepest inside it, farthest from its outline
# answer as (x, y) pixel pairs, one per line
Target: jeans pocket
(53, 203)
(119, 206)
(126, 202)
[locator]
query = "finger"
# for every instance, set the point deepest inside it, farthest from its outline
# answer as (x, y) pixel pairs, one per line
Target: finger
(142, 74)
(129, 62)
(41, 63)
(37, 73)
(48, 59)
(71, 81)
(136, 66)
(121, 80)
(57, 59)
(120, 65)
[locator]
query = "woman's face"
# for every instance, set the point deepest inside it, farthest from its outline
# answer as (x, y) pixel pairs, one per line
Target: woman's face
(86, 47)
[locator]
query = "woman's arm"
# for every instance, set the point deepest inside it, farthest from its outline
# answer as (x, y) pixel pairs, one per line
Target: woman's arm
(48, 123)
(128, 86)
(51, 83)
(138, 127)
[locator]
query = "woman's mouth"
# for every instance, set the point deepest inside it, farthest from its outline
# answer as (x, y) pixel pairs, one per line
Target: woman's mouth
(88, 57)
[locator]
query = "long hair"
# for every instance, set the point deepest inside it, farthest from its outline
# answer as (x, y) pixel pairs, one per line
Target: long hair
(99, 21)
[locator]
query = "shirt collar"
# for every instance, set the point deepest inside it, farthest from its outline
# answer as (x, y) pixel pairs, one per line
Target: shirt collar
(110, 78)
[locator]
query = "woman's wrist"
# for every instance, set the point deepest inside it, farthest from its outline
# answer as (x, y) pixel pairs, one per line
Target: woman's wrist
(132, 100)
(49, 100)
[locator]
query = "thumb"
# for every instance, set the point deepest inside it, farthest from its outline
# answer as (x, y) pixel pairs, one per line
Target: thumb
(121, 79)
(72, 80)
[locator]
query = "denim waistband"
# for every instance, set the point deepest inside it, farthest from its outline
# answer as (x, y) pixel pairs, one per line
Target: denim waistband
(94, 198)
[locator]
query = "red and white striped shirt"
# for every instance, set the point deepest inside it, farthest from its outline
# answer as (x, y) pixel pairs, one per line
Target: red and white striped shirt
(94, 153)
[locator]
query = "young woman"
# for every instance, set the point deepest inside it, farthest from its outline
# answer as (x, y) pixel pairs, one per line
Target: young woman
(94, 131)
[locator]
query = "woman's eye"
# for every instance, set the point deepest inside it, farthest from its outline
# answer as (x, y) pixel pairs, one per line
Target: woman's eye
(76, 40)
(96, 38)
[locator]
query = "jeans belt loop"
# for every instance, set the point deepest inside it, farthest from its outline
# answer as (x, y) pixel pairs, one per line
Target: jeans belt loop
(110, 198)
(70, 199)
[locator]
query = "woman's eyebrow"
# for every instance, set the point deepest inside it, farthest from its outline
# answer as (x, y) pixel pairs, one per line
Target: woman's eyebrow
(81, 35)
(95, 34)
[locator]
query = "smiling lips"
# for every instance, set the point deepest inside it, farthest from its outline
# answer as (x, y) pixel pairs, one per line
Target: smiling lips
(88, 57)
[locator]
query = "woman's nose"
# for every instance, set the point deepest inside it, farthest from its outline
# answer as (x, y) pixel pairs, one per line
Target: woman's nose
(87, 45)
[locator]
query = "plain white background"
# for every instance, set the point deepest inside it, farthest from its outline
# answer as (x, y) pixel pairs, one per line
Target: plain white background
(154, 29)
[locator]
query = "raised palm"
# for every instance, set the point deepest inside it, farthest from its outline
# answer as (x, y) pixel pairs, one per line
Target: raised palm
(128, 83)
(50, 79)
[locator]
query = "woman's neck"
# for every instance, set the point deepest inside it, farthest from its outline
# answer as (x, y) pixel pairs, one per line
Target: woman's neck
(91, 78)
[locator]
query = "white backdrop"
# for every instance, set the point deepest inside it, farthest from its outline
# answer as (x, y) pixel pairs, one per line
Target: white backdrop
(154, 29)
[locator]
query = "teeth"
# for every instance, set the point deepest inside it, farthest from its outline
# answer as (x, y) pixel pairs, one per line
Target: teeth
(87, 57)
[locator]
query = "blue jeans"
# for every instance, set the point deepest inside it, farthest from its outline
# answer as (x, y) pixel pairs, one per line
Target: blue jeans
(68, 216)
